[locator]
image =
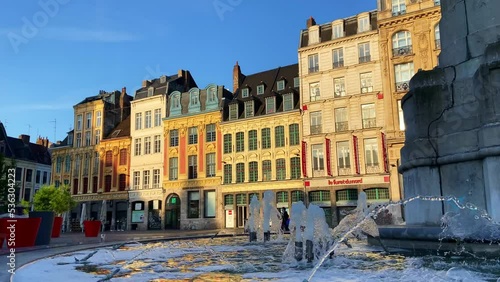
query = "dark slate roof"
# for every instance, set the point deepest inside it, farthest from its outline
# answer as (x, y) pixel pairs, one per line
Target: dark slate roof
(16, 149)
(121, 130)
(172, 83)
(269, 78)
(110, 97)
(64, 142)
(350, 29)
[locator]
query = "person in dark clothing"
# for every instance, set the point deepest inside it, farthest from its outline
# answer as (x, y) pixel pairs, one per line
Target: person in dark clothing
(284, 220)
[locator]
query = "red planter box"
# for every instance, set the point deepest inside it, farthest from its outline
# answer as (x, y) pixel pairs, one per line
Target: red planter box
(91, 228)
(26, 230)
(56, 228)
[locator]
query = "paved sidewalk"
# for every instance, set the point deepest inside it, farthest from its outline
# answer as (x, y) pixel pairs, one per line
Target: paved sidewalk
(70, 242)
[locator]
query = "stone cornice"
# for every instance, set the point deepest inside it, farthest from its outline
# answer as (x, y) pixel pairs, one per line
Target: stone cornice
(395, 21)
(340, 41)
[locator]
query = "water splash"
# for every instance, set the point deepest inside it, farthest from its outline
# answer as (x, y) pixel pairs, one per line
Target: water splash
(371, 213)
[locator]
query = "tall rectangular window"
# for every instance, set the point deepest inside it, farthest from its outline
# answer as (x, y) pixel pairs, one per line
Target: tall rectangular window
(147, 145)
(233, 112)
(192, 167)
(173, 168)
(296, 82)
(122, 182)
(78, 140)
(67, 165)
(253, 172)
(209, 204)
(137, 147)
(280, 169)
(193, 135)
(343, 157)
(366, 83)
(398, 7)
(293, 131)
(240, 172)
(249, 109)
(107, 183)
(368, 115)
(38, 176)
(210, 165)
(145, 179)
(314, 91)
(371, 152)
(364, 52)
(95, 169)
(402, 126)
(316, 124)
(58, 164)
(79, 122)
(97, 136)
(211, 134)
(341, 119)
(138, 121)
(313, 63)
(147, 121)
(288, 102)
(157, 117)
(338, 57)
(339, 87)
(137, 180)
(252, 140)
(364, 24)
(228, 173)
(157, 144)
(123, 156)
(88, 124)
(88, 138)
(338, 31)
(266, 138)
(193, 204)
(228, 143)
(403, 73)
(240, 142)
(318, 158)
(279, 136)
(267, 170)
(98, 119)
(295, 168)
(270, 105)
(156, 178)
(108, 161)
(174, 138)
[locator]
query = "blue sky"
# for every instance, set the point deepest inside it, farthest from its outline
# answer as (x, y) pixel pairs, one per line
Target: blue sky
(54, 53)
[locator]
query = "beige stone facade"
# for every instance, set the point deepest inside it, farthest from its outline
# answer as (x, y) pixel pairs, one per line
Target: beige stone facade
(409, 41)
(343, 114)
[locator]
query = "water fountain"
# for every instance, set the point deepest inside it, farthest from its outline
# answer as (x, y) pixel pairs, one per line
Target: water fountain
(264, 218)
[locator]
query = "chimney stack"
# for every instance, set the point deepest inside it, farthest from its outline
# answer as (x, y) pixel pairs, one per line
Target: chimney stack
(310, 22)
(237, 77)
(25, 138)
(146, 83)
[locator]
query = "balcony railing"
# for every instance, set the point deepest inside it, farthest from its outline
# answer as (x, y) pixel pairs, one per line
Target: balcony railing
(344, 171)
(369, 122)
(365, 59)
(338, 64)
(402, 86)
(316, 129)
(339, 93)
(373, 168)
(438, 43)
(398, 13)
(402, 51)
(313, 69)
(366, 89)
(341, 126)
(314, 98)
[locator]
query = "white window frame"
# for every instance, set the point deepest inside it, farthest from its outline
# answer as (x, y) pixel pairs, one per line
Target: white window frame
(288, 102)
(260, 89)
(233, 112)
(270, 105)
(401, 117)
(318, 157)
(314, 91)
(138, 121)
(244, 93)
(280, 85)
(249, 109)
(339, 87)
(313, 63)
(366, 82)
(363, 24)
(338, 31)
(157, 117)
(147, 119)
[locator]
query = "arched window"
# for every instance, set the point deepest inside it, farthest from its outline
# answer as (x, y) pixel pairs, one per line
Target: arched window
(437, 37)
(401, 43)
(194, 100)
(175, 104)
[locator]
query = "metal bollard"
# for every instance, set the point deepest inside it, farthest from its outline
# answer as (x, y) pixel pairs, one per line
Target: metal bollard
(253, 236)
(309, 251)
(267, 236)
(299, 251)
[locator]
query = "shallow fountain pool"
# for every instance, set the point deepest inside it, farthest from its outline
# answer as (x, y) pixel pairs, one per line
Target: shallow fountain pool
(235, 259)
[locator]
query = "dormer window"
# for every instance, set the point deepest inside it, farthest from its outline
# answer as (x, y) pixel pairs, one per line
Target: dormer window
(194, 100)
(338, 30)
(212, 100)
(270, 105)
(280, 85)
(175, 104)
(244, 93)
(249, 109)
(163, 79)
(150, 91)
(363, 24)
(212, 95)
(288, 102)
(233, 112)
(260, 89)
(296, 82)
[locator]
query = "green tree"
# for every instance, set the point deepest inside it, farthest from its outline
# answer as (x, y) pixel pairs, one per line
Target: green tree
(50, 198)
(4, 182)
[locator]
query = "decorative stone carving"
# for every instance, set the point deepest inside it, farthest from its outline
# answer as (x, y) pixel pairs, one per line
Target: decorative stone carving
(210, 148)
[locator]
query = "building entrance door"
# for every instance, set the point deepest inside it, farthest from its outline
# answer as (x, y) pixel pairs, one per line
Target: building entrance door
(241, 216)
(173, 212)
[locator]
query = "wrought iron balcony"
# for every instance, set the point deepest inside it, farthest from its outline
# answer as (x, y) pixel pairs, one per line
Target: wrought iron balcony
(338, 64)
(366, 89)
(316, 129)
(402, 86)
(398, 13)
(369, 122)
(313, 69)
(365, 59)
(402, 51)
(339, 93)
(341, 126)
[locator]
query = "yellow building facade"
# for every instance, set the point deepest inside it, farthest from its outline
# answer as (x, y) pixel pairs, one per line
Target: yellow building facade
(409, 41)
(261, 142)
(342, 115)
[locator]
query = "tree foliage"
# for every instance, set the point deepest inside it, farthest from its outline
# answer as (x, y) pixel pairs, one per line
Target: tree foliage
(50, 198)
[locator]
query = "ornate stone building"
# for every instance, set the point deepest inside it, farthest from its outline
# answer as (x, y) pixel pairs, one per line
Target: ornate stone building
(77, 162)
(342, 114)
(146, 194)
(409, 41)
(261, 142)
(193, 158)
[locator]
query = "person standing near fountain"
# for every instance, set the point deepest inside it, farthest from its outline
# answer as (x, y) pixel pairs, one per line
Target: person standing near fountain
(284, 220)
